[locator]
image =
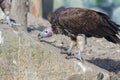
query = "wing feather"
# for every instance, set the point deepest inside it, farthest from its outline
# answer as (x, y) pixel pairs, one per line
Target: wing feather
(84, 21)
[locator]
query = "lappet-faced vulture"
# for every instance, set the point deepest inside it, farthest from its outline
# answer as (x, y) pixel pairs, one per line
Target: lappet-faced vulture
(85, 23)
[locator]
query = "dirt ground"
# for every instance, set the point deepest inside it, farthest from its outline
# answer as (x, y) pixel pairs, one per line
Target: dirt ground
(98, 51)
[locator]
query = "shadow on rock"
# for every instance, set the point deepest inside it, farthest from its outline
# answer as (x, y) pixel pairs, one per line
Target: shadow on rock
(108, 64)
(50, 43)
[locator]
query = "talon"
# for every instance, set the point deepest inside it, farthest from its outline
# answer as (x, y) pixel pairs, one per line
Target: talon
(69, 56)
(78, 57)
(65, 52)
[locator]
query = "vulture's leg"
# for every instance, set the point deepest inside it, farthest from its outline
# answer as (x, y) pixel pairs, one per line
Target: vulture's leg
(72, 44)
(81, 41)
(7, 18)
(10, 21)
(68, 51)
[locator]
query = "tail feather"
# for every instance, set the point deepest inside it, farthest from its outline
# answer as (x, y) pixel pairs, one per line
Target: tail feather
(113, 39)
(116, 25)
(113, 27)
(109, 22)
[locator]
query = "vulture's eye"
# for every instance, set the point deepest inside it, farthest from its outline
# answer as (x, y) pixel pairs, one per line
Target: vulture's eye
(46, 31)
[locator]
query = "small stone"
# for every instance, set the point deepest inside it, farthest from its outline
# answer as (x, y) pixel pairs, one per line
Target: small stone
(100, 76)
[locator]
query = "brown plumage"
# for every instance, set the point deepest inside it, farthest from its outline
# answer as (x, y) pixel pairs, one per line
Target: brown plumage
(75, 21)
(83, 21)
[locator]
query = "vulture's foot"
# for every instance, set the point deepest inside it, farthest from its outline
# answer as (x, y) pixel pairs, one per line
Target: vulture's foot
(79, 57)
(65, 51)
(11, 22)
(70, 56)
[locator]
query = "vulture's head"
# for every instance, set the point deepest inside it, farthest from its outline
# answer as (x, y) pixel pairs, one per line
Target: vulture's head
(47, 32)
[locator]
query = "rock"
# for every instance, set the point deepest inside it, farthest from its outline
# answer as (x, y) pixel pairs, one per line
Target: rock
(35, 7)
(25, 58)
(2, 15)
(32, 20)
(1, 38)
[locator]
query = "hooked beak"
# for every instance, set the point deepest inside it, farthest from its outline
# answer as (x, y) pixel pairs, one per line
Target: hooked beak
(39, 37)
